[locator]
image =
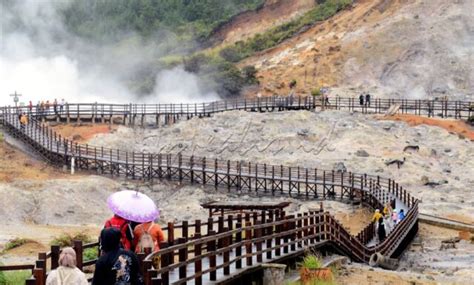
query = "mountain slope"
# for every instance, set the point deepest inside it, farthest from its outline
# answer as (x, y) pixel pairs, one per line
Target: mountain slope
(392, 48)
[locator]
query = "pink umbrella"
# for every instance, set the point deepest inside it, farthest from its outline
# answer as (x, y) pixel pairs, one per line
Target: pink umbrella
(133, 206)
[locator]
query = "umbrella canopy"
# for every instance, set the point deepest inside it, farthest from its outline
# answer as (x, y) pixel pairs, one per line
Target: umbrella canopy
(133, 206)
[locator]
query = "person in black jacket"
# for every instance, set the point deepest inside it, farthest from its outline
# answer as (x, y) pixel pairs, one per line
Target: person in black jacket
(381, 231)
(116, 266)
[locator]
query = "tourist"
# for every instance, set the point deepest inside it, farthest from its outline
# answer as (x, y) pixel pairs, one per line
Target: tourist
(367, 100)
(387, 210)
(30, 106)
(142, 234)
(47, 105)
(67, 273)
(381, 231)
(55, 106)
(394, 217)
(387, 221)
(61, 105)
(124, 227)
(116, 265)
(38, 108)
(376, 217)
(361, 99)
(23, 121)
(42, 107)
(401, 215)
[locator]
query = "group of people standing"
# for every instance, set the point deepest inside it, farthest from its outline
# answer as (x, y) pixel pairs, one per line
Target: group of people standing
(386, 221)
(120, 240)
(364, 100)
(44, 107)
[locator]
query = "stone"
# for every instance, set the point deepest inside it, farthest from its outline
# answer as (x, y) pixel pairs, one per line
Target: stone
(340, 167)
(303, 132)
(362, 153)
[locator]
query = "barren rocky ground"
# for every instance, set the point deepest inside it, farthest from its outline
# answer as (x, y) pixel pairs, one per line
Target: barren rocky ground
(391, 48)
(439, 172)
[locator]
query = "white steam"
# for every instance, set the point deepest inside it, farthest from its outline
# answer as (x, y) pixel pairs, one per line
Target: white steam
(42, 61)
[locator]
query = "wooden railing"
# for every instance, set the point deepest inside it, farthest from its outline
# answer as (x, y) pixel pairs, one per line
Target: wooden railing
(263, 179)
(430, 108)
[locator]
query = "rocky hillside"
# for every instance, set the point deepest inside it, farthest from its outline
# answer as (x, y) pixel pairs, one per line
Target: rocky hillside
(392, 48)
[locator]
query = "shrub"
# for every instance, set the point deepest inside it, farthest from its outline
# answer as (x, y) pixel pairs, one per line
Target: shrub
(249, 73)
(68, 239)
(90, 253)
(292, 84)
(316, 92)
(14, 243)
(311, 261)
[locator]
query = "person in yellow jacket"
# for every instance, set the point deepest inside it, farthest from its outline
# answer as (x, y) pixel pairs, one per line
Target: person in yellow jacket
(377, 216)
(24, 119)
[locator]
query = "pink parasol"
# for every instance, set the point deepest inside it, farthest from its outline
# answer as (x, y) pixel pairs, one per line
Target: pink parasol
(133, 206)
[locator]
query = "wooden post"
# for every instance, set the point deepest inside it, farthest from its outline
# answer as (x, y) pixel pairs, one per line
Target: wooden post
(248, 244)
(258, 234)
(183, 256)
(55, 250)
(226, 242)
(79, 253)
(238, 250)
(211, 247)
(165, 261)
(198, 262)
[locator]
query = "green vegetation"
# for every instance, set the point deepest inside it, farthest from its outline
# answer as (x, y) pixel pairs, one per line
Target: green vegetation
(90, 253)
(273, 37)
(14, 243)
(14, 277)
(311, 261)
(68, 239)
(174, 31)
(316, 92)
(180, 20)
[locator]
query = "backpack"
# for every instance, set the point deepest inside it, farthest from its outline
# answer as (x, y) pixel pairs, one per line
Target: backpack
(124, 241)
(146, 240)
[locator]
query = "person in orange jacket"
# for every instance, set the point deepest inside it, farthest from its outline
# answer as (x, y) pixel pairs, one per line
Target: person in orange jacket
(143, 232)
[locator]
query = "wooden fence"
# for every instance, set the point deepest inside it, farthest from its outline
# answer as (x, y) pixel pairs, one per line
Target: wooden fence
(163, 114)
(277, 233)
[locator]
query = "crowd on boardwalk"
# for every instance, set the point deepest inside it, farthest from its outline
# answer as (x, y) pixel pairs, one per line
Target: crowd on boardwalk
(386, 220)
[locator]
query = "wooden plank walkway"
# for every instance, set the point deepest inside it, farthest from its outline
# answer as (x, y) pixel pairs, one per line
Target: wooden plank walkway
(285, 234)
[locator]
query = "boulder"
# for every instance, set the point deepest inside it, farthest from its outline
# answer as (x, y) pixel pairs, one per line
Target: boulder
(362, 153)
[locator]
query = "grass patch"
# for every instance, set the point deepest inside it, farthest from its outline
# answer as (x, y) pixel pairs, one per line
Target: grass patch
(91, 253)
(274, 36)
(14, 277)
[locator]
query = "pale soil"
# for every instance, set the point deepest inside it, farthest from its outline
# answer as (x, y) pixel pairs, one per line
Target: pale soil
(322, 140)
(248, 24)
(391, 48)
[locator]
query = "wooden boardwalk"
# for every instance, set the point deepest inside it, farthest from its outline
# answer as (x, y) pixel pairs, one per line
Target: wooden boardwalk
(245, 243)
